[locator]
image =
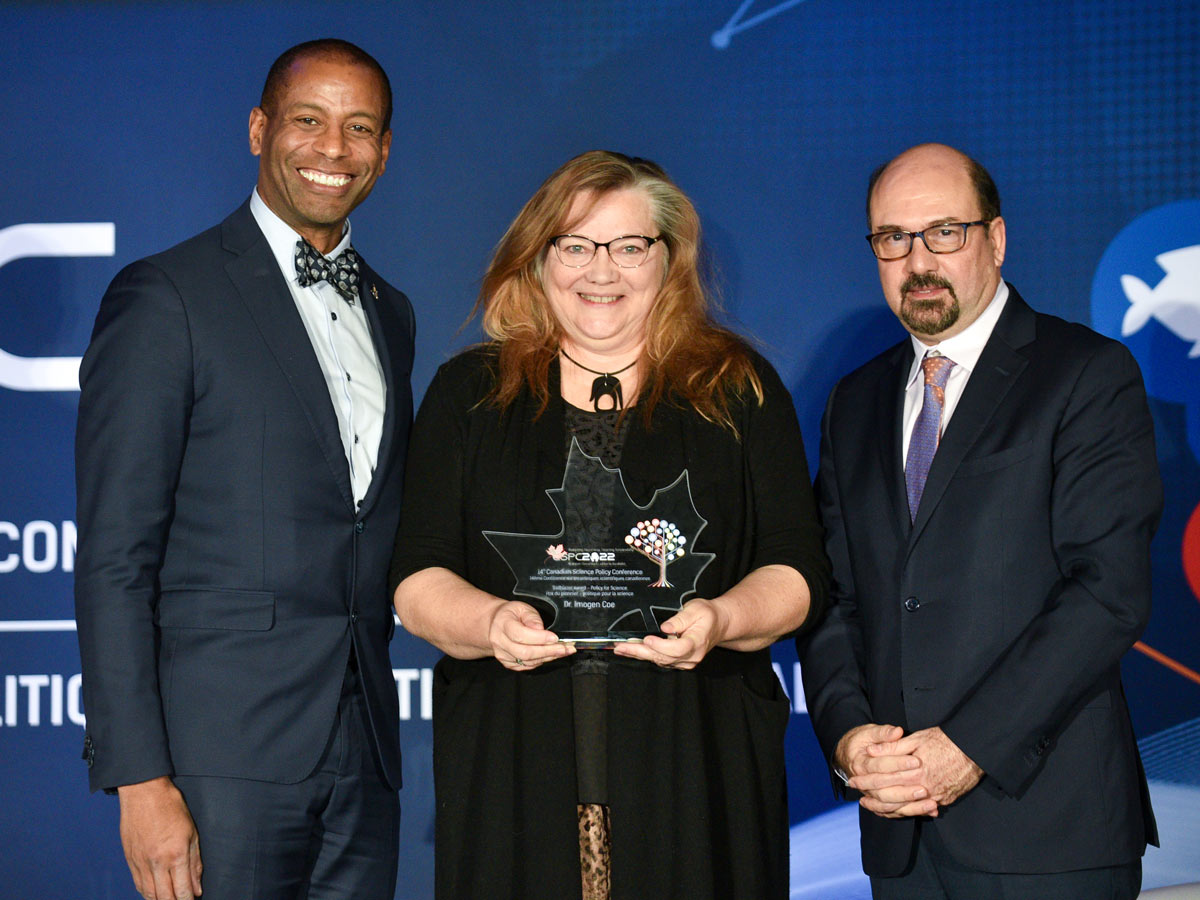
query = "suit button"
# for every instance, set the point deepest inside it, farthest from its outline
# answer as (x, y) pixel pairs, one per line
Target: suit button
(359, 526)
(354, 617)
(912, 603)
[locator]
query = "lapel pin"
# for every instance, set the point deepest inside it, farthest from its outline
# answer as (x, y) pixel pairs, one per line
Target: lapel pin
(374, 291)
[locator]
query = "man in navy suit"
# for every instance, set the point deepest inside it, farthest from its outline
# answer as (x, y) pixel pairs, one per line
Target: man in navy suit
(244, 412)
(989, 489)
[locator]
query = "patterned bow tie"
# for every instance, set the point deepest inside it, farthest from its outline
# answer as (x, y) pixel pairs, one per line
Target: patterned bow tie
(341, 272)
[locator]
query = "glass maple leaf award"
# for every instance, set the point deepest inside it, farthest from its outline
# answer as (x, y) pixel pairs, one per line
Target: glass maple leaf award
(616, 570)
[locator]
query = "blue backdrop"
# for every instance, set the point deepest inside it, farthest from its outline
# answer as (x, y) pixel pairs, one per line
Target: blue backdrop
(131, 118)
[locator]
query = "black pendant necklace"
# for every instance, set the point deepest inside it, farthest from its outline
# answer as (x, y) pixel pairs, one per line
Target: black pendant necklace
(606, 384)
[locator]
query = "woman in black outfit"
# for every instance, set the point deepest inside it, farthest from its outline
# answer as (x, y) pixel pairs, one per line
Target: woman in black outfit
(650, 769)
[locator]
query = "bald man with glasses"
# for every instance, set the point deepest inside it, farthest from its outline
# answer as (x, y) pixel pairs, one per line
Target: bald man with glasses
(989, 488)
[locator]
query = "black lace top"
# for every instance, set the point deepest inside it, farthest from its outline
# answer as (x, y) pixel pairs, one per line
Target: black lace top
(601, 435)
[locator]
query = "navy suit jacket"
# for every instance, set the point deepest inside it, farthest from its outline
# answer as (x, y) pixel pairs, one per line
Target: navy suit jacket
(1001, 614)
(223, 573)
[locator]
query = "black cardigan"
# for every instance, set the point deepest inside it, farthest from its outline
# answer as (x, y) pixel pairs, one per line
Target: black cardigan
(696, 769)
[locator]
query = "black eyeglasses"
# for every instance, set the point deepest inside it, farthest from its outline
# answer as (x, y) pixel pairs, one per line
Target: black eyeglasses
(944, 238)
(627, 251)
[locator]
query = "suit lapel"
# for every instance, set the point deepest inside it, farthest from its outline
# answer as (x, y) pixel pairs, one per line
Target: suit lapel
(891, 418)
(998, 368)
(256, 276)
(376, 310)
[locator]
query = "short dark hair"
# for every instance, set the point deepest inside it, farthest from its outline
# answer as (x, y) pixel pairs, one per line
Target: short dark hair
(985, 188)
(323, 48)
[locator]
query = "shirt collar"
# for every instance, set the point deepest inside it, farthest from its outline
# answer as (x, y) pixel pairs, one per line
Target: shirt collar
(281, 237)
(965, 347)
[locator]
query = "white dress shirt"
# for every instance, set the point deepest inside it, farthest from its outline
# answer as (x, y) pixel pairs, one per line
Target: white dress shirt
(964, 349)
(341, 339)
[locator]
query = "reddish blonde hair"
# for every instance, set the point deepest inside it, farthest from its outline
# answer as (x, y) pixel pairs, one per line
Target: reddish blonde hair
(686, 353)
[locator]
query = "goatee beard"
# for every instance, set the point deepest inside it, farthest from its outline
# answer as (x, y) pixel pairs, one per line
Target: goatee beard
(927, 316)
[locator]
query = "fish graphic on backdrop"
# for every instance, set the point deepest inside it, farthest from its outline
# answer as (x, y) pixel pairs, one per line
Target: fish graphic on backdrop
(1174, 301)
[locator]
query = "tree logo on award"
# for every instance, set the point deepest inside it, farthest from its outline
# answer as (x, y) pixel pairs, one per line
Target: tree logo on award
(659, 541)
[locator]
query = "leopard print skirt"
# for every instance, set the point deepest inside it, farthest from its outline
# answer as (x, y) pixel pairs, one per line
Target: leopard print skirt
(594, 850)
